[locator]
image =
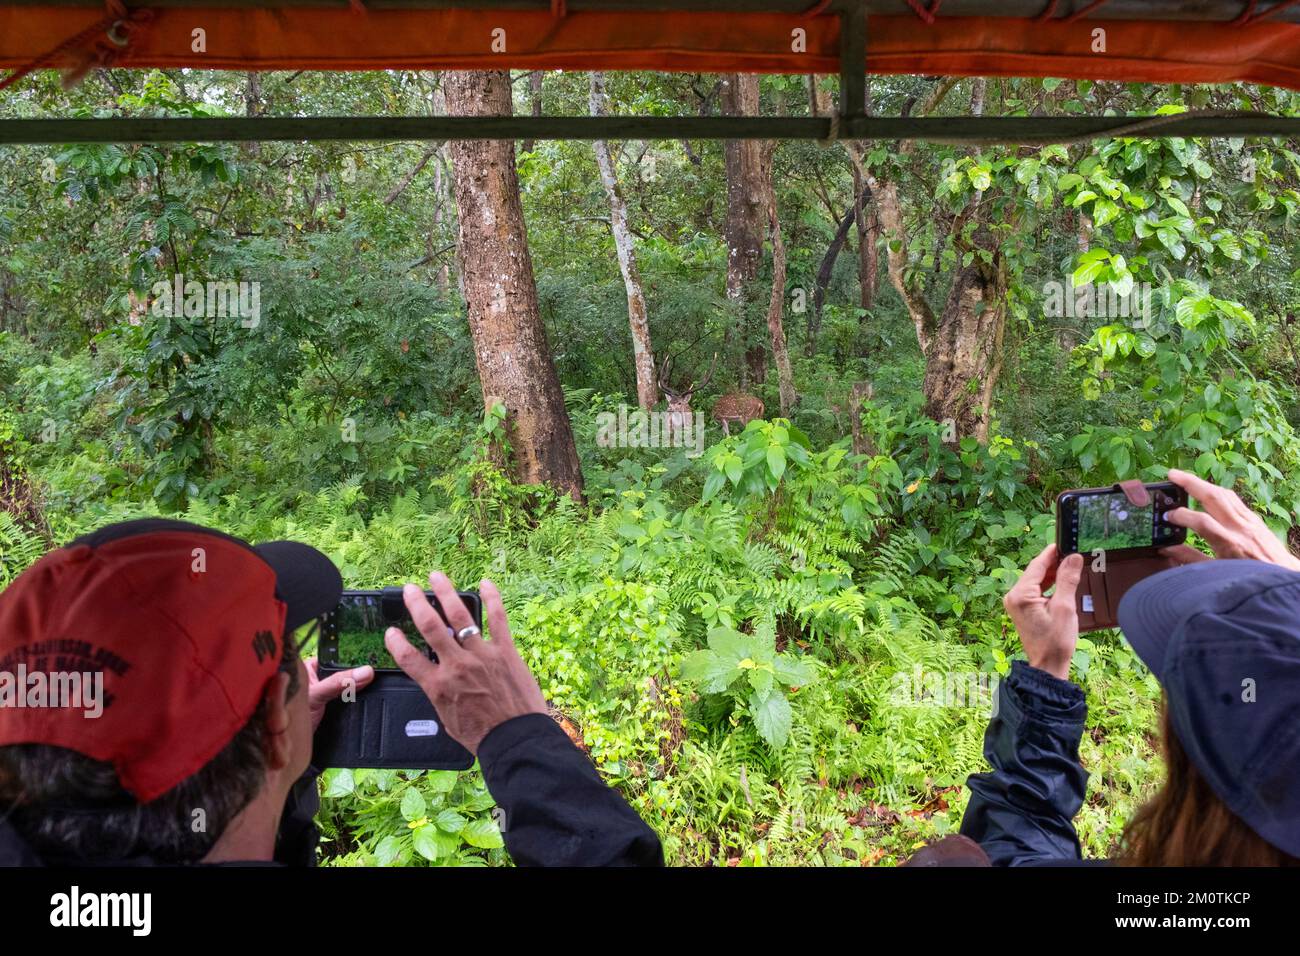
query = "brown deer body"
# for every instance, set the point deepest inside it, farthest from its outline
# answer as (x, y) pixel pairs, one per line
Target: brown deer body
(736, 407)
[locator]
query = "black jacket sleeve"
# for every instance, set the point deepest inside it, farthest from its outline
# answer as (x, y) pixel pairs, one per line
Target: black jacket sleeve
(296, 840)
(1023, 811)
(557, 810)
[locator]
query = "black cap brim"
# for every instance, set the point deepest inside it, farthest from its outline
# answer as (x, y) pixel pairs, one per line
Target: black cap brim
(306, 580)
(1154, 609)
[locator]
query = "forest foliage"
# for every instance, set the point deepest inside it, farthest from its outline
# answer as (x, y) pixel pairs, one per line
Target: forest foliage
(781, 650)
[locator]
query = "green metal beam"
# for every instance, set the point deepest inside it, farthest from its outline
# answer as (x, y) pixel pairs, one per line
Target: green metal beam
(853, 57)
(1027, 130)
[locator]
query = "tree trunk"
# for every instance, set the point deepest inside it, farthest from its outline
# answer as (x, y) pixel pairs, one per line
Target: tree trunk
(964, 359)
(535, 91)
(776, 304)
(962, 346)
(496, 276)
(868, 235)
(253, 106)
(823, 279)
(442, 194)
(746, 220)
(647, 391)
(859, 395)
(441, 197)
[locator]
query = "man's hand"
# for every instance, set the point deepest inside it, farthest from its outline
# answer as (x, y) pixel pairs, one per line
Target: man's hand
(1230, 528)
(321, 692)
(477, 685)
(1048, 627)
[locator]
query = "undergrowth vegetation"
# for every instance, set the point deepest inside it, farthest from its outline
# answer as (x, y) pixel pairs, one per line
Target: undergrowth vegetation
(780, 651)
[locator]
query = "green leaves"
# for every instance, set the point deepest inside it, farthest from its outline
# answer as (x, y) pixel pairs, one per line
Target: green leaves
(772, 717)
(338, 783)
(748, 669)
(413, 805)
(483, 833)
(754, 463)
(401, 818)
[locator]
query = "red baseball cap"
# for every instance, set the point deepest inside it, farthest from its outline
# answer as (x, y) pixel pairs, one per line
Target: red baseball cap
(184, 623)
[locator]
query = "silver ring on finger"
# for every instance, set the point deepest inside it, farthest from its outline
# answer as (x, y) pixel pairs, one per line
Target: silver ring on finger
(465, 633)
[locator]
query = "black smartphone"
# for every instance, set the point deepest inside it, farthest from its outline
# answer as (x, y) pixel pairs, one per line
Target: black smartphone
(390, 724)
(352, 635)
(1103, 519)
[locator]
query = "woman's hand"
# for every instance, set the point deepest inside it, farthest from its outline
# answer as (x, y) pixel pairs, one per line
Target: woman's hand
(1230, 528)
(1048, 626)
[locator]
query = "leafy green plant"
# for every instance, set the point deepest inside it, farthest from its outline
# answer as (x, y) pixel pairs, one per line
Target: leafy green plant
(402, 818)
(748, 669)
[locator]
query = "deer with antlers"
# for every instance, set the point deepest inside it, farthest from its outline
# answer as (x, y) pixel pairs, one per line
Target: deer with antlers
(679, 418)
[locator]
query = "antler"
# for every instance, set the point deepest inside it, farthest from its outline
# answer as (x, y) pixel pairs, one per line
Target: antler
(692, 389)
(665, 369)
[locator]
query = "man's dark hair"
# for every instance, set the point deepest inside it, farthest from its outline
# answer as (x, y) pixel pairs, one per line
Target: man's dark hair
(71, 808)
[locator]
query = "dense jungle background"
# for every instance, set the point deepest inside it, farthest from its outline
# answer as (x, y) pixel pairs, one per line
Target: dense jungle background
(781, 649)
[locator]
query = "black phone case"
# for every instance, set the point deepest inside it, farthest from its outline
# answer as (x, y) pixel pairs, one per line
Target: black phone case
(390, 726)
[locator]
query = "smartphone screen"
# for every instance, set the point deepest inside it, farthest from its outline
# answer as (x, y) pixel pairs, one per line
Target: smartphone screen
(352, 635)
(1103, 519)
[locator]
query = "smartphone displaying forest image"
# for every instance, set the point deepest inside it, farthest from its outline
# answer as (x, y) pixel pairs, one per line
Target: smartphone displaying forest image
(1104, 519)
(352, 635)
(361, 627)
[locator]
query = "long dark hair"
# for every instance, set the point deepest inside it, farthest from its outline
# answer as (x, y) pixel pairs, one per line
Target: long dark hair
(1186, 824)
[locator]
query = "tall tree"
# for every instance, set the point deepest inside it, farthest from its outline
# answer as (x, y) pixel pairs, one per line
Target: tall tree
(962, 341)
(746, 219)
(776, 304)
(647, 390)
(868, 223)
(496, 276)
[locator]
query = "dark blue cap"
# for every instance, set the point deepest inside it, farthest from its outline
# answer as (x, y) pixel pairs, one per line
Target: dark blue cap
(1223, 639)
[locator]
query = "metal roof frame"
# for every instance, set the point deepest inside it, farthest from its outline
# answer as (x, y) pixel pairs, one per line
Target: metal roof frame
(851, 122)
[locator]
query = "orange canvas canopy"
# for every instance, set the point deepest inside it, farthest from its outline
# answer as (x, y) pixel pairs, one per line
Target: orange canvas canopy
(1250, 41)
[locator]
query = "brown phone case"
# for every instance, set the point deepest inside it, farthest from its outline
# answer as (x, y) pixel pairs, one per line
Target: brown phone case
(1102, 590)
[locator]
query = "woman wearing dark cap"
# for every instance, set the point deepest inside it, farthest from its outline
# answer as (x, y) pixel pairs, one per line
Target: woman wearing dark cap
(1223, 638)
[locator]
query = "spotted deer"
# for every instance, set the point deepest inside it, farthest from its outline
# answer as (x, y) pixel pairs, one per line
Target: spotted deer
(679, 419)
(736, 407)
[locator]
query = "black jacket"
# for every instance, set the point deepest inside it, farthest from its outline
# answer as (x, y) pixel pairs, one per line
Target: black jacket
(557, 810)
(1022, 812)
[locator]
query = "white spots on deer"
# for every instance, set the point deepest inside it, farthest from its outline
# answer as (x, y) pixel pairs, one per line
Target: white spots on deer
(736, 407)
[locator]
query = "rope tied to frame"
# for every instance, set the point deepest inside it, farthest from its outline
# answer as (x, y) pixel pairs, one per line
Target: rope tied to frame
(1249, 16)
(927, 14)
(833, 134)
(117, 27)
(1050, 12)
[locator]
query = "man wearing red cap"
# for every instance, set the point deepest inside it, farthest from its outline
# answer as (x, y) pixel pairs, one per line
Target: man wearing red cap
(153, 709)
